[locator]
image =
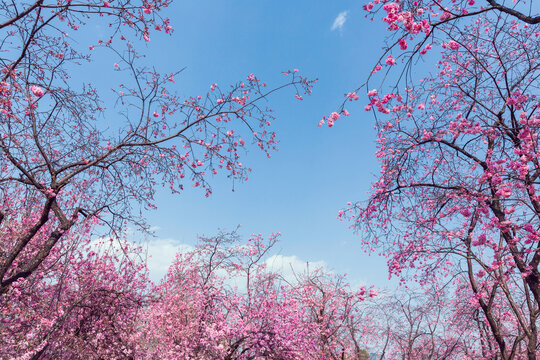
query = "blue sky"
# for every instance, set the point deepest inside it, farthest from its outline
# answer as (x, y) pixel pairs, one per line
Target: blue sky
(316, 170)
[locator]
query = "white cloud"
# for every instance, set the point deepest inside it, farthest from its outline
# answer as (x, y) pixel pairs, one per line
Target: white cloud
(291, 266)
(158, 253)
(339, 21)
(161, 253)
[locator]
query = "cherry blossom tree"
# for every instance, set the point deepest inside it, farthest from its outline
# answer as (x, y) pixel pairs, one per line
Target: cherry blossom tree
(333, 309)
(421, 324)
(418, 26)
(83, 303)
(458, 195)
(77, 163)
(70, 157)
(199, 313)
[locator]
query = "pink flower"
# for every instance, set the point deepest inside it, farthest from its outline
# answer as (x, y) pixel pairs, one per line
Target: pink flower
(155, 114)
(390, 60)
(334, 116)
(377, 68)
(372, 93)
(480, 241)
(445, 16)
(402, 44)
(106, 3)
(37, 91)
(453, 45)
(481, 273)
(352, 96)
(147, 8)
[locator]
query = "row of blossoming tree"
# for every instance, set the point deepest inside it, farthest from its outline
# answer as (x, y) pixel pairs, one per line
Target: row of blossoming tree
(456, 207)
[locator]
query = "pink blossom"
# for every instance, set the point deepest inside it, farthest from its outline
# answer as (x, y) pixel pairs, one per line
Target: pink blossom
(372, 93)
(377, 68)
(481, 273)
(453, 45)
(402, 44)
(352, 96)
(37, 91)
(390, 60)
(148, 9)
(445, 16)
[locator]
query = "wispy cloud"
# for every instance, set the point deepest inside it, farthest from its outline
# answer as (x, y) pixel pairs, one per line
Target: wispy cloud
(339, 21)
(291, 266)
(161, 254)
